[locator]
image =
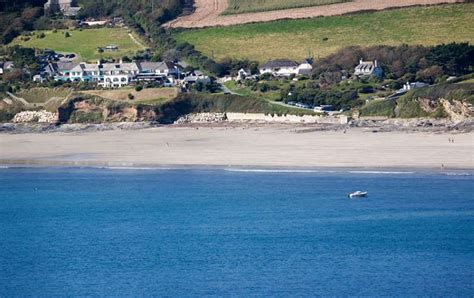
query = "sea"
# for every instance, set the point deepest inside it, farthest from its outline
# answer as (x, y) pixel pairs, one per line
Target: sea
(235, 232)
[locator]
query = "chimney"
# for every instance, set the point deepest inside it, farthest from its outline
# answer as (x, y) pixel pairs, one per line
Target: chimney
(375, 63)
(121, 61)
(360, 61)
(98, 62)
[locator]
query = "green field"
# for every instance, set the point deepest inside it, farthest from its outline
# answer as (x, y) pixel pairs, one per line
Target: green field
(243, 6)
(325, 35)
(84, 43)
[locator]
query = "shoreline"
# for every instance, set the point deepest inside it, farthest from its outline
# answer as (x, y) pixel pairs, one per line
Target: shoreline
(241, 147)
(240, 168)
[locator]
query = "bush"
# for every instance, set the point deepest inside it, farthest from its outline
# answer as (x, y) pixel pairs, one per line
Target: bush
(139, 88)
(130, 96)
(66, 34)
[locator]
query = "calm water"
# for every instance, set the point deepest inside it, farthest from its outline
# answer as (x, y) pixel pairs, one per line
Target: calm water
(216, 232)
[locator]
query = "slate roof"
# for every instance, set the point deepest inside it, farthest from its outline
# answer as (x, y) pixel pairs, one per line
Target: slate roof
(279, 63)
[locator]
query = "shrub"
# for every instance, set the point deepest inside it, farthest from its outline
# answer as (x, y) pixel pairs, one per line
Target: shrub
(139, 88)
(130, 96)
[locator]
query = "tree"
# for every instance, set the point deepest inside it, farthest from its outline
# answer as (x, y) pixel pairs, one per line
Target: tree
(454, 58)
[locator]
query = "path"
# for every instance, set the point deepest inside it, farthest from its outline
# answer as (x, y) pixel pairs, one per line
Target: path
(18, 99)
(136, 41)
(208, 12)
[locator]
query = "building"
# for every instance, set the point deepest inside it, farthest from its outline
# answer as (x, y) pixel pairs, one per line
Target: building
(286, 68)
(66, 7)
(6, 66)
(368, 68)
(410, 86)
(242, 74)
(111, 75)
(280, 67)
(306, 67)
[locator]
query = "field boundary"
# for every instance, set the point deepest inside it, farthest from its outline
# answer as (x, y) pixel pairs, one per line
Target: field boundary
(208, 13)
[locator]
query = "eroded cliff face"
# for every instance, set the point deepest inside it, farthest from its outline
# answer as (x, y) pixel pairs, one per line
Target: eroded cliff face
(457, 110)
(87, 109)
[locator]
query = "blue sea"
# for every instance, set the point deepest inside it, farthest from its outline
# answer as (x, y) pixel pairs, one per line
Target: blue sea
(217, 232)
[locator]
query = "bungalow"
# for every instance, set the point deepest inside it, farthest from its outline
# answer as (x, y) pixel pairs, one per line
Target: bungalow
(280, 67)
(368, 68)
(410, 86)
(286, 68)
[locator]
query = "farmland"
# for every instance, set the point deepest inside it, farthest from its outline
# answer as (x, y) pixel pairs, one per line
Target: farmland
(244, 6)
(325, 35)
(83, 42)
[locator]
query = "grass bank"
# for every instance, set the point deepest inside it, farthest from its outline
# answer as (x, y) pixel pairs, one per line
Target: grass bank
(325, 35)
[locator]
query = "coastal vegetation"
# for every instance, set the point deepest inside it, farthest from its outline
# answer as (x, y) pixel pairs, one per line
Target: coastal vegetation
(244, 6)
(139, 95)
(320, 37)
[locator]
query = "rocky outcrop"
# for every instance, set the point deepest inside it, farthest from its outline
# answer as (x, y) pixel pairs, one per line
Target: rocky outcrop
(35, 116)
(458, 111)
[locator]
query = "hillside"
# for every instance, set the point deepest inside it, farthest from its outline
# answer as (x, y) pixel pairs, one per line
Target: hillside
(209, 13)
(245, 6)
(323, 36)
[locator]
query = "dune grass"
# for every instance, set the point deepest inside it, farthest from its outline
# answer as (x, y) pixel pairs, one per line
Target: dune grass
(84, 42)
(325, 35)
(145, 96)
(244, 6)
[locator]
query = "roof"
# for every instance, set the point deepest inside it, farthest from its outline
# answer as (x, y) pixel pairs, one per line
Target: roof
(64, 66)
(279, 63)
(132, 66)
(366, 66)
(85, 67)
(6, 64)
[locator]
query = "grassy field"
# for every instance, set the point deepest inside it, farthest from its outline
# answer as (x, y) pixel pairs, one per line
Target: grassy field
(145, 96)
(243, 6)
(323, 36)
(84, 43)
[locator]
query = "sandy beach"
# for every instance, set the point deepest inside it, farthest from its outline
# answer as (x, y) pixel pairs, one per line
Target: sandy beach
(272, 146)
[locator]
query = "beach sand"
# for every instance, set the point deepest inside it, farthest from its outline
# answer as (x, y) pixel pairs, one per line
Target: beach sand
(268, 146)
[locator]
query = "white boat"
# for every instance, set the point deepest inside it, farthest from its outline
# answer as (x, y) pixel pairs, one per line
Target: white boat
(357, 194)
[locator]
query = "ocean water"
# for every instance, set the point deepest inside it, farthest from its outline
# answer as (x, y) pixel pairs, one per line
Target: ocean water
(104, 232)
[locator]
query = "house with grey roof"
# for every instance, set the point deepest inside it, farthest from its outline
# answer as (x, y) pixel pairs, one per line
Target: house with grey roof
(286, 68)
(66, 7)
(110, 75)
(368, 68)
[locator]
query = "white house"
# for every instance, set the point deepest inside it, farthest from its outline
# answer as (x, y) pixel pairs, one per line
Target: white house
(280, 67)
(410, 86)
(286, 68)
(243, 73)
(118, 74)
(368, 68)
